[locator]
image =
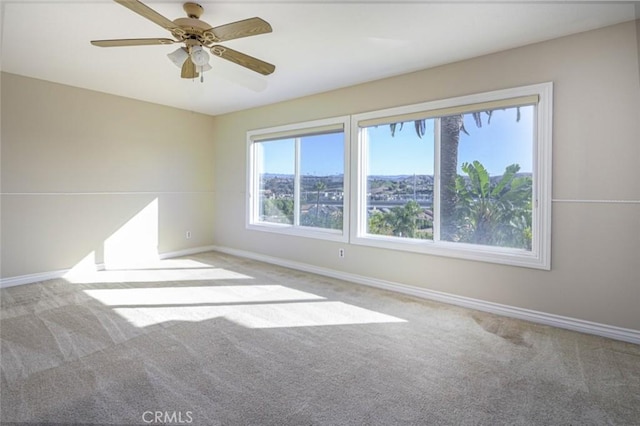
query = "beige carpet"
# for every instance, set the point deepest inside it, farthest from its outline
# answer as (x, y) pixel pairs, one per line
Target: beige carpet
(217, 340)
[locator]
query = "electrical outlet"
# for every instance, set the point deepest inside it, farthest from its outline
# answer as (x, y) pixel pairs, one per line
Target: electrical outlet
(188, 235)
(341, 253)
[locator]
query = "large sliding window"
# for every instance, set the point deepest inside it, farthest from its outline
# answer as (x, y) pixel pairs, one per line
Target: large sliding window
(297, 179)
(467, 177)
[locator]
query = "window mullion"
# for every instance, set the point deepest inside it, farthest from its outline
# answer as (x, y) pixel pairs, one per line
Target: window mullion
(296, 185)
(363, 159)
(254, 192)
(436, 180)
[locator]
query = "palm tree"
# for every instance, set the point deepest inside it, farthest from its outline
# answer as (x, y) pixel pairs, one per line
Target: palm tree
(450, 128)
(319, 187)
(449, 140)
(404, 220)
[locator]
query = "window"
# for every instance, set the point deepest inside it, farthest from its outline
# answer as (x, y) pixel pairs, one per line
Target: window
(467, 177)
(297, 179)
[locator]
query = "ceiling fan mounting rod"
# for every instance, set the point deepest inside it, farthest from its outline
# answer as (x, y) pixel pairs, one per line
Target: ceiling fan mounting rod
(193, 10)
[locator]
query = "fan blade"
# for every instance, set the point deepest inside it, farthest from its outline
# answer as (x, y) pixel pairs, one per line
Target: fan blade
(146, 12)
(189, 69)
(132, 42)
(244, 60)
(239, 29)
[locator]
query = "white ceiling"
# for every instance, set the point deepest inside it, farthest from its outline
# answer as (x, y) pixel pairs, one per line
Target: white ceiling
(315, 46)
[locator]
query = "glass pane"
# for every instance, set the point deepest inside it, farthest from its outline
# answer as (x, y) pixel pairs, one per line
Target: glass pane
(486, 177)
(275, 161)
(322, 180)
(400, 179)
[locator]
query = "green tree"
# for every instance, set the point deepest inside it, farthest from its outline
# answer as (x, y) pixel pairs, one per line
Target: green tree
(402, 221)
(278, 210)
(319, 187)
(330, 220)
(379, 224)
(496, 213)
(450, 128)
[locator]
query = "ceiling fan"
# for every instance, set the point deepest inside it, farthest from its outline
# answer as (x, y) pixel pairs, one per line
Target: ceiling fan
(196, 35)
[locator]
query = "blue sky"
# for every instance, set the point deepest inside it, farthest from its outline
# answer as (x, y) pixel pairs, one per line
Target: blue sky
(503, 142)
(321, 155)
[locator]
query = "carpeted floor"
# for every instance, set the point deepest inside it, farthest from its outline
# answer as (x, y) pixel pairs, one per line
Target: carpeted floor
(217, 340)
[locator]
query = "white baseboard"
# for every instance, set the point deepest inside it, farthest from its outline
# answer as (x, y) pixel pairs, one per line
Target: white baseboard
(613, 332)
(32, 278)
(52, 275)
(185, 252)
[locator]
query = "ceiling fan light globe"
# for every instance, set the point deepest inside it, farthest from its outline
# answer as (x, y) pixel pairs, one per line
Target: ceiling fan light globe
(200, 57)
(178, 57)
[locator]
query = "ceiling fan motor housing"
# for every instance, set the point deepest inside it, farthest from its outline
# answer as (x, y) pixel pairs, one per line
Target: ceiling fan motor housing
(192, 28)
(193, 10)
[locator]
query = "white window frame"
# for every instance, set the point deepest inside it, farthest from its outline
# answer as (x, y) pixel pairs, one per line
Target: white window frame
(540, 254)
(293, 131)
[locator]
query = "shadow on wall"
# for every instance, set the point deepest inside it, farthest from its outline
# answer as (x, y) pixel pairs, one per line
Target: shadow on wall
(87, 231)
(134, 244)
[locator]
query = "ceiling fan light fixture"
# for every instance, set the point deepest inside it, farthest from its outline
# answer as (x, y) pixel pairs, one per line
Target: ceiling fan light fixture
(199, 56)
(178, 56)
(195, 34)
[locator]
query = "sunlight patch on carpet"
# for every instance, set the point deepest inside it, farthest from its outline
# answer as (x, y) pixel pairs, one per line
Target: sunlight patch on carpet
(267, 315)
(181, 297)
(148, 274)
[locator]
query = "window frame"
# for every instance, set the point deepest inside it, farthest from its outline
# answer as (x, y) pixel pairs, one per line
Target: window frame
(294, 131)
(540, 255)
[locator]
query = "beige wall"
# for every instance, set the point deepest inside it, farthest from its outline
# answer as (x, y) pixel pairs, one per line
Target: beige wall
(77, 165)
(595, 272)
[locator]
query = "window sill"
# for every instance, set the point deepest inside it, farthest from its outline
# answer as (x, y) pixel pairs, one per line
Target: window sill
(300, 231)
(499, 255)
